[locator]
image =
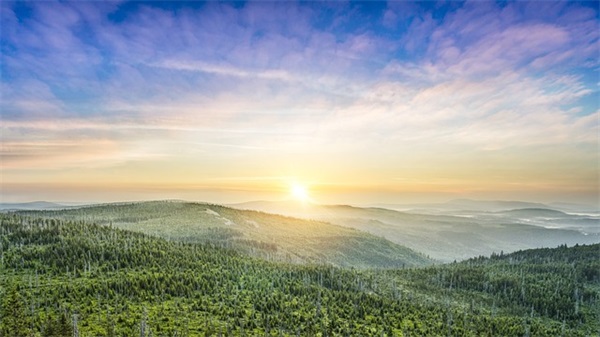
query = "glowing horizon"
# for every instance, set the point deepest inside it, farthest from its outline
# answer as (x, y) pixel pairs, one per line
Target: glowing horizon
(361, 102)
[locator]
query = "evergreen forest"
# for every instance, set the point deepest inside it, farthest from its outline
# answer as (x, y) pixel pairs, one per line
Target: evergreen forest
(76, 278)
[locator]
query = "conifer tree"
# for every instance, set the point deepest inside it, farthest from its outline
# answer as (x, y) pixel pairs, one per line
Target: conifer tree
(15, 322)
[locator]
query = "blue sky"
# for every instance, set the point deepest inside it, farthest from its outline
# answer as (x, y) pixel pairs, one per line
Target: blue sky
(360, 101)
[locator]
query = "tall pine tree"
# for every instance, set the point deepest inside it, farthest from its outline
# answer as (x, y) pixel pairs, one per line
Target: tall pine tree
(15, 321)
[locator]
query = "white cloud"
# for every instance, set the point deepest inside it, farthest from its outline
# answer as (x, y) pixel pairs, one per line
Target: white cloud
(264, 78)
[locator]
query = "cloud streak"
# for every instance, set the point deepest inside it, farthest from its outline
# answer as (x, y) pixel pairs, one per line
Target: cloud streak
(295, 85)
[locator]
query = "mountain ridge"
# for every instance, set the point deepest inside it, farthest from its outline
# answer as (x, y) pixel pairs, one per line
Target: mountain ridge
(455, 234)
(269, 236)
(32, 205)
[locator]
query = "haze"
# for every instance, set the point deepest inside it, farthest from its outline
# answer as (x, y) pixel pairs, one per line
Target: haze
(369, 102)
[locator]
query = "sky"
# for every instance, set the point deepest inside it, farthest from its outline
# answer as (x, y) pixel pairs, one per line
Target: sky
(358, 102)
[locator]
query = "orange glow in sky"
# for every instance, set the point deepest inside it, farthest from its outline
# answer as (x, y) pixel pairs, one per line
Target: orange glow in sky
(379, 102)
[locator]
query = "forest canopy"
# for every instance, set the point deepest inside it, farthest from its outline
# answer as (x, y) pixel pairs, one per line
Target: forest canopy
(59, 276)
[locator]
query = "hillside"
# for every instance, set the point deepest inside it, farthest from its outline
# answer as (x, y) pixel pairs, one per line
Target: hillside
(560, 283)
(272, 237)
(535, 212)
(488, 206)
(455, 235)
(122, 283)
(31, 205)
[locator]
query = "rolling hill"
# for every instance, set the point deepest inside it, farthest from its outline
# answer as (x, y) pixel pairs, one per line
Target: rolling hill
(58, 276)
(486, 206)
(454, 235)
(34, 205)
(535, 212)
(272, 237)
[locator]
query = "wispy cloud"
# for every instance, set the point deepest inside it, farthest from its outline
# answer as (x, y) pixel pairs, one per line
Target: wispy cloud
(224, 70)
(113, 84)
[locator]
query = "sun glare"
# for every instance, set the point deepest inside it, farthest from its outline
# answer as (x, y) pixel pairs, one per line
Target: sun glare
(300, 192)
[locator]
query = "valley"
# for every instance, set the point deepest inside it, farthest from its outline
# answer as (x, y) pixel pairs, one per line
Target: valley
(448, 232)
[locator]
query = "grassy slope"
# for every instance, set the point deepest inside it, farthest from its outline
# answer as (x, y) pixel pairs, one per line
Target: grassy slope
(268, 236)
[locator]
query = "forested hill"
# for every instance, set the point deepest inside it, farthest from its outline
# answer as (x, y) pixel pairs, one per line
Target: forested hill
(114, 282)
(560, 283)
(268, 236)
(575, 255)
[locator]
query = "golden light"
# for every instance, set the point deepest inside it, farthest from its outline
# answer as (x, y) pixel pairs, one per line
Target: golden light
(299, 192)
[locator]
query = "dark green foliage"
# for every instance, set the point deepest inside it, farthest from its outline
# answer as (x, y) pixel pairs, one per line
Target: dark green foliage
(15, 321)
(121, 283)
(60, 326)
(554, 283)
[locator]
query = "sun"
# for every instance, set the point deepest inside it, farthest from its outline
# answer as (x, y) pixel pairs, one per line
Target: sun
(299, 192)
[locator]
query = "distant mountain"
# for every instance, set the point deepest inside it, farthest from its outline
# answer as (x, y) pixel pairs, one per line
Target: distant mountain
(31, 205)
(536, 212)
(578, 208)
(268, 236)
(464, 204)
(492, 205)
(487, 206)
(281, 207)
(453, 232)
